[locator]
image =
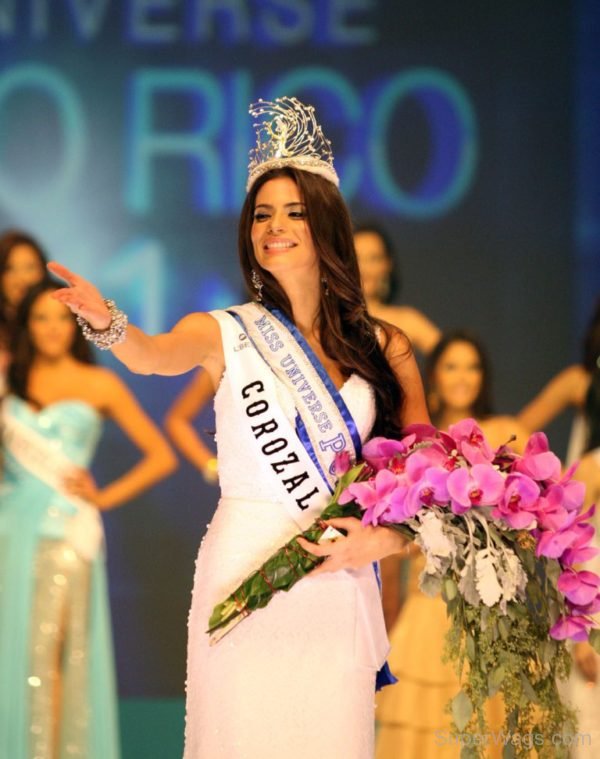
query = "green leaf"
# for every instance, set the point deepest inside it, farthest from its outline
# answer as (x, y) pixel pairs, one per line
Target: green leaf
(595, 640)
(470, 645)
(548, 650)
(529, 690)
(495, 679)
(462, 710)
(485, 615)
(504, 628)
(553, 571)
(450, 589)
(527, 559)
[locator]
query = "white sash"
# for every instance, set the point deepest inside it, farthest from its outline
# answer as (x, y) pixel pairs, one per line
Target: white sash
(83, 531)
(328, 423)
(302, 490)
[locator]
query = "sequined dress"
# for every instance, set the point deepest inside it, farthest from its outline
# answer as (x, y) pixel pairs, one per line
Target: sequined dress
(297, 678)
(53, 606)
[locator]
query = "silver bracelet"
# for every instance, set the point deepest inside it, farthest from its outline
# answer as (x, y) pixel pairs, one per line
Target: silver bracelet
(115, 333)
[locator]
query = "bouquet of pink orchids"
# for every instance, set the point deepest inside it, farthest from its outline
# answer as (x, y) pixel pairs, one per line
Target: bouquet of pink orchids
(502, 536)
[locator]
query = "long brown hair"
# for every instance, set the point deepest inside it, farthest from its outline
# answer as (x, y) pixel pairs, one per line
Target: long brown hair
(23, 350)
(9, 240)
(348, 334)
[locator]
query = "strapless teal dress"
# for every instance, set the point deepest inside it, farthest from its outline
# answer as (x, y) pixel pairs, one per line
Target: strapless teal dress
(53, 601)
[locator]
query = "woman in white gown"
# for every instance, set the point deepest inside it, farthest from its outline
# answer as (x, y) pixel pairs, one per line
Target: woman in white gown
(300, 374)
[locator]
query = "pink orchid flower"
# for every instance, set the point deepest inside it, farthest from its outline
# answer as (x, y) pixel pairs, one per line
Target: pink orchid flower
(538, 461)
(570, 492)
(592, 608)
(430, 489)
(470, 441)
(575, 534)
(579, 587)
(380, 451)
(422, 460)
(427, 432)
(519, 502)
(341, 463)
(573, 627)
(554, 544)
(374, 495)
(550, 511)
(481, 486)
(578, 555)
(400, 508)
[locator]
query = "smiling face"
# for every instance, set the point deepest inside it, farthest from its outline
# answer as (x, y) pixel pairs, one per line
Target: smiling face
(51, 327)
(281, 237)
(458, 377)
(23, 269)
(374, 264)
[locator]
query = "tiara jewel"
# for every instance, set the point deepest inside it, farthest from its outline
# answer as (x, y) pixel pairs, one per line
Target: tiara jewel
(287, 134)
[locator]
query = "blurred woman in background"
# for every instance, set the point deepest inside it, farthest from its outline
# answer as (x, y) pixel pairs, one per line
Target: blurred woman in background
(57, 690)
(380, 283)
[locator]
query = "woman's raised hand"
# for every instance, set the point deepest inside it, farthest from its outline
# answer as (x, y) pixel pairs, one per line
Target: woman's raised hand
(81, 297)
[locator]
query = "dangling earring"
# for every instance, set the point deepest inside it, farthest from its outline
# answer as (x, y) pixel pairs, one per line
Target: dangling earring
(325, 284)
(257, 284)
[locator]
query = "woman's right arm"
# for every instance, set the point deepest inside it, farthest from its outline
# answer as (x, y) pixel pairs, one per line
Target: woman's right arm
(178, 424)
(568, 388)
(194, 341)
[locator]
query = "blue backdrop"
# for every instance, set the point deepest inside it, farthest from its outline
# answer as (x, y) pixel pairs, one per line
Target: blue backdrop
(472, 131)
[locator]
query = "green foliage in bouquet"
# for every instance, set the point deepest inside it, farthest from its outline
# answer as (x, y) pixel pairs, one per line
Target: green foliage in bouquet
(512, 654)
(283, 569)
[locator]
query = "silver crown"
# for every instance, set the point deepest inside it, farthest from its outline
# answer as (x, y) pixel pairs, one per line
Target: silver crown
(288, 135)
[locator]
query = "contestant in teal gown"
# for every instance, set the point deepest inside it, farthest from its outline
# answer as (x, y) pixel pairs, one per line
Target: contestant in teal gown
(58, 695)
(48, 589)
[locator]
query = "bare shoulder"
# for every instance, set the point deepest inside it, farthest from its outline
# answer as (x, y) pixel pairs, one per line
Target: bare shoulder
(200, 323)
(393, 339)
(101, 382)
(404, 317)
(203, 329)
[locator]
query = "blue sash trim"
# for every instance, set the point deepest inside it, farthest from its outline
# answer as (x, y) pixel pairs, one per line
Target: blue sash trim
(384, 675)
(325, 379)
(239, 320)
(306, 442)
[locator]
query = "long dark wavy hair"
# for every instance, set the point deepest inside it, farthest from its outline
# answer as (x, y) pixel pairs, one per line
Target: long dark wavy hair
(22, 349)
(482, 407)
(348, 334)
(591, 361)
(9, 240)
(394, 280)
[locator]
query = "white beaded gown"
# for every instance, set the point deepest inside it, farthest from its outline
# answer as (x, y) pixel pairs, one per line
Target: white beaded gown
(297, 678)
